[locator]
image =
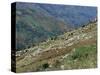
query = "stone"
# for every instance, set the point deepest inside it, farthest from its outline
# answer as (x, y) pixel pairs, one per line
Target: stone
(62, 67)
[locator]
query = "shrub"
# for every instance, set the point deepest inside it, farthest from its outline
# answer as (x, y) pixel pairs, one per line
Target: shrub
(46, 65)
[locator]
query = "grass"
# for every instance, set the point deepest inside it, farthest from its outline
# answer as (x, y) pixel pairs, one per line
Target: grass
(83, 57)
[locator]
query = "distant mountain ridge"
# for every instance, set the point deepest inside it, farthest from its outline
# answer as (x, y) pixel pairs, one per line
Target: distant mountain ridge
(76, 15)
(37, 22)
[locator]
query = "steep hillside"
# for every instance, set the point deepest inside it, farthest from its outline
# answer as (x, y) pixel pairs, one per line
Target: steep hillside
(34, 25)
(36, 22)
(76, 49)
(74, 15)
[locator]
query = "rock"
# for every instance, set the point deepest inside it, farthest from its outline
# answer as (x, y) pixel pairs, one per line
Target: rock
(70, 44)
(62, 67)
(65, 56)
(50, 65)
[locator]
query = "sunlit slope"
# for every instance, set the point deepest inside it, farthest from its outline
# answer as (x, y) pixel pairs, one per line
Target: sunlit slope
(76, 49)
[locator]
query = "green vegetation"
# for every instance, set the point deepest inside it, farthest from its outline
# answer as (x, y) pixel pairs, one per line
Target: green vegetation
(33, 27)
(79, 51)
(82, 57)
(46, 65)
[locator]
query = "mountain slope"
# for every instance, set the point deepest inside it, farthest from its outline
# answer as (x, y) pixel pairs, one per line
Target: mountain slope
(74, 15)
(36, 22)
(76, 49)
(32, 25)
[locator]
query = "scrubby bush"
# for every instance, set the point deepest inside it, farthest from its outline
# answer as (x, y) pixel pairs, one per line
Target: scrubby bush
(46, 65)
(54, 38)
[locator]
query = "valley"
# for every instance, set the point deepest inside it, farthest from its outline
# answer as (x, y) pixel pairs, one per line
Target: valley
(37, 22)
